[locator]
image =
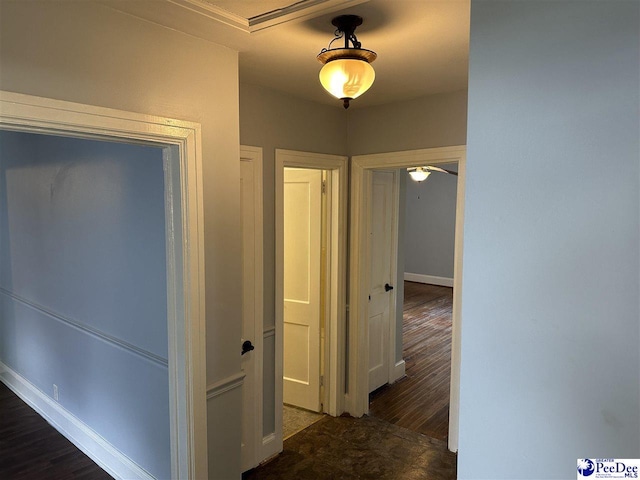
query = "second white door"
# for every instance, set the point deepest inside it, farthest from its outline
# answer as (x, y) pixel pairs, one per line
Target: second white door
(252, 328)
(380, 283)
(302, 262)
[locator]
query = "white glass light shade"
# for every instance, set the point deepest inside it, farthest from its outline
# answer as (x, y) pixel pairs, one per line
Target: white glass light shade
(347, 77)
(419, 174)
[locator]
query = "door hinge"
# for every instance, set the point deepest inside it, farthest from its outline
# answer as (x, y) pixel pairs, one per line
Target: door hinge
(324, 186)
(322, 380)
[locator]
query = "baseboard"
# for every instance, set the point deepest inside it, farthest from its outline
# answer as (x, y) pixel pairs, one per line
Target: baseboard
(270, 447)
(430, 279)
(109, 458)
(398, 371)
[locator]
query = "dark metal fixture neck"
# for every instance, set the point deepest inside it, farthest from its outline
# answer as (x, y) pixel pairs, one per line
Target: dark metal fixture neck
(346, 24)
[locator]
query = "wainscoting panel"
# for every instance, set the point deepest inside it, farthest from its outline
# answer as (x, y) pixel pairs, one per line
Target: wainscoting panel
(222, 397)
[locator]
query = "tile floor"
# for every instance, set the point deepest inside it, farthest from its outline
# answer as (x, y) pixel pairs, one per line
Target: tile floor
(296, 419)
(346, 448)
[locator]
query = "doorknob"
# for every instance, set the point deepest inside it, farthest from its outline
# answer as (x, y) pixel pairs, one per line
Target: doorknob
(247, 347)
(387, 287)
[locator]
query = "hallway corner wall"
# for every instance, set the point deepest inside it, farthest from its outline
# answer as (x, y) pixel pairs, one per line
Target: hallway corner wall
(49, 49)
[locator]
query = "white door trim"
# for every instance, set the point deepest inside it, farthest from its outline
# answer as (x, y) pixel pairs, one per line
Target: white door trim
(184, 239)
(254, 155)
(335, 330)
(396, 370)
(361, 167)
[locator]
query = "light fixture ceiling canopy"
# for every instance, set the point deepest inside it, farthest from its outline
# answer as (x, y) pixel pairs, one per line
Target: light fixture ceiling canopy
(347, 72)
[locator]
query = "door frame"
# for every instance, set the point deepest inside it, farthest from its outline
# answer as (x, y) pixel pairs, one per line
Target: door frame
(254, 156)
(184, 235)
(361, 167)
(335, 329)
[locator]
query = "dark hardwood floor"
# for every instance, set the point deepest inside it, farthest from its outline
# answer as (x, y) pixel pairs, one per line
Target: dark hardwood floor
(420, 401)
(31, 449)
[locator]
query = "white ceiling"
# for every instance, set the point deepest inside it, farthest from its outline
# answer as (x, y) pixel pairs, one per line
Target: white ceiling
(422, 45)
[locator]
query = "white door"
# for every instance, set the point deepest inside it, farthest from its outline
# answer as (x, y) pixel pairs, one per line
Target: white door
(380, 234)
(251, 315)
(302, 257)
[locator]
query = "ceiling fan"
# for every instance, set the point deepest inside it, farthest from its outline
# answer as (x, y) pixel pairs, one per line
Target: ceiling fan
(421, 173)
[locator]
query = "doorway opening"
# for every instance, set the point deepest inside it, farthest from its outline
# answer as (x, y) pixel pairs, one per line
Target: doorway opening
(183, 212)
(419, 401)
(311, 191)
(364, 173)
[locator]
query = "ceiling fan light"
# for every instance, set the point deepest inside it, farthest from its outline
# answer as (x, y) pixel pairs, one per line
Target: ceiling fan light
(419, 174)
(347, 78)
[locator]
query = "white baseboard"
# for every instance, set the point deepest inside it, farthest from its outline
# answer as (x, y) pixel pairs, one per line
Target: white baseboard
(430, 279)
(398, 371)
(110, 459)
(270, 447)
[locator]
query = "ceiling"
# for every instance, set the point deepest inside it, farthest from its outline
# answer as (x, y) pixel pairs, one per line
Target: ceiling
(422, 45)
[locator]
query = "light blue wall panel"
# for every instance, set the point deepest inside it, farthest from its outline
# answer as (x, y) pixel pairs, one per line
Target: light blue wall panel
(430, 223)
(86, 233)
(83, 284)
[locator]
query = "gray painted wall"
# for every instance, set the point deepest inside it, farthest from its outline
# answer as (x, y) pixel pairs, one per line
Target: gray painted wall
(430, 224)
(431, 121)
(49, 49)
(83, 279)
(550, 333)
(271, 120)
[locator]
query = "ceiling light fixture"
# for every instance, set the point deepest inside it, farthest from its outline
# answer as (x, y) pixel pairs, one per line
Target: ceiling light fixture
(347, 72)
(420, 174)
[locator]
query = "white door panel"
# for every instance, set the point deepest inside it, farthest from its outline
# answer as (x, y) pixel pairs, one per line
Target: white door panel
(380, 275)
(248, 314)
(252, 451)
(302, 256)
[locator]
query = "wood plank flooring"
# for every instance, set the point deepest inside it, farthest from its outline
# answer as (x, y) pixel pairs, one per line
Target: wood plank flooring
(420, 401)
(32, 449)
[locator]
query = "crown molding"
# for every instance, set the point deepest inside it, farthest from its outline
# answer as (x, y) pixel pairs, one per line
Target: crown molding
(296, 11)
